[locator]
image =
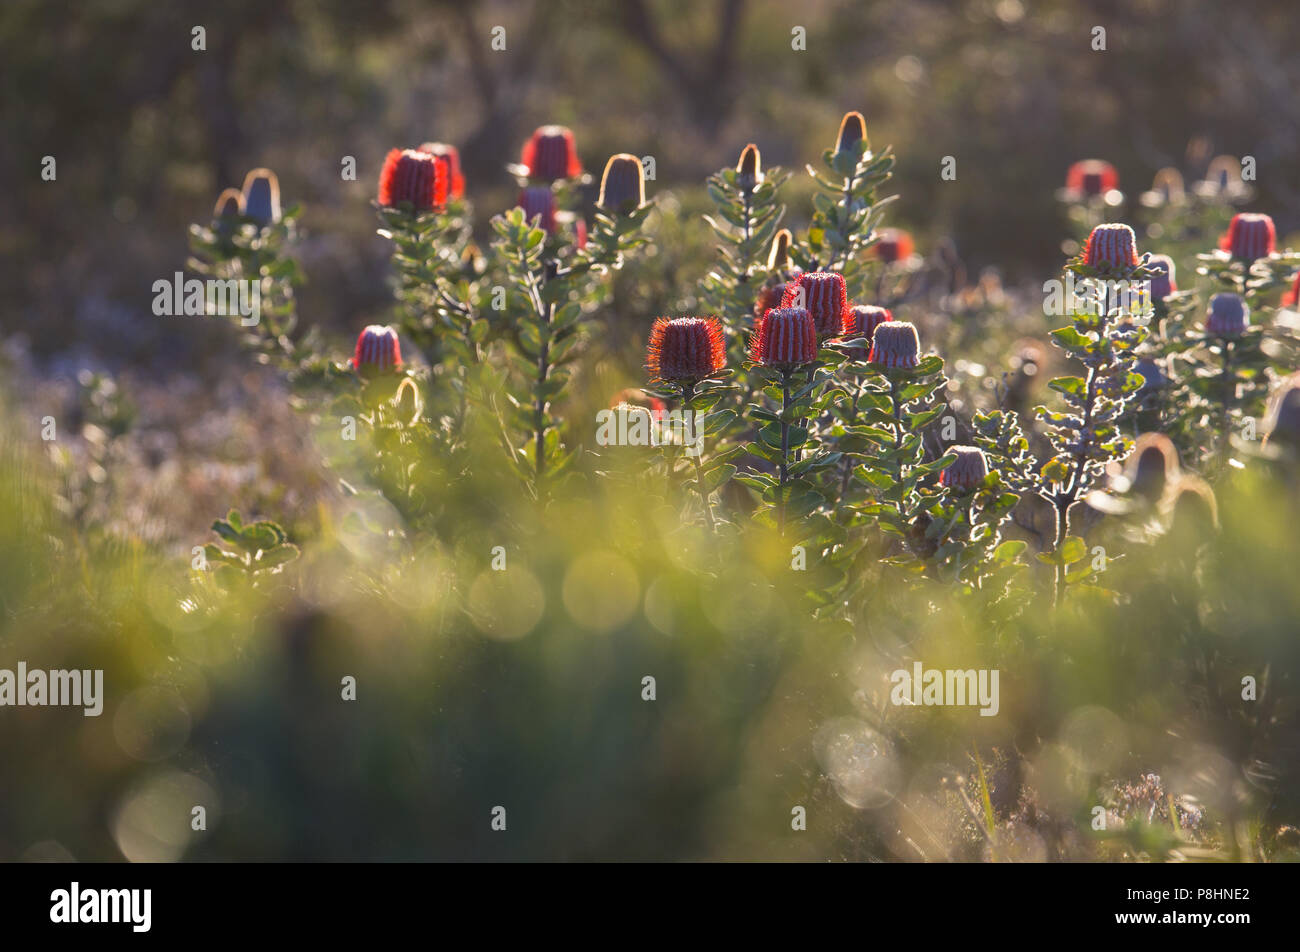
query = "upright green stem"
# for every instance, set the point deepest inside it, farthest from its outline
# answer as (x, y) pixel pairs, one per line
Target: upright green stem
(688, 396)
(1228, 383)
(785, 447)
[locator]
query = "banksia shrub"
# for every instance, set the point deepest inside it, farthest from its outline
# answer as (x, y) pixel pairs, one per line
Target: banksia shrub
(378, 350)
(862, 321)
(550, 154)
(967, 471)
(894, 245)
(262, 196)
(1249, 237)
(538, 202)
(412, 176)
(1228, 317)
(823, 295)
(686, 349)
(895, 344)
(1090, 178)
(622, 186)
(785, 337)
(448, 157)
(1112, 247)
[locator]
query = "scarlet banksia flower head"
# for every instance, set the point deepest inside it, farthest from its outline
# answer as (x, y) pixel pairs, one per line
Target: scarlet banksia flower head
(377, 349)
(538, 201)
(862, 321)
(894, 245)
(853, 129)
(1162, 282)
(770, 296)
(1091, 178)
(550, 154)
(686, 349)
(448, 157)
(785, 337)
(622, 186)
(895, 344)
(1112, 246)
(1249, 236)
(1229, 316)
(749, 170)
(229, 204)
(262, 196)
(967, 471)
(412, 176)
(824, 297)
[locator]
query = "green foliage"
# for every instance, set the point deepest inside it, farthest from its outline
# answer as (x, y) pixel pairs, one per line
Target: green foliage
(246, 552)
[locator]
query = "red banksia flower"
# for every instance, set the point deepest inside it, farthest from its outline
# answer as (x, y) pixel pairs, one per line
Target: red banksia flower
(967, 471)
(1229, 316)
(1162, 282)
(770, 296)
(448, 157)
(622, 186)
(1292, 298)
(538, 201)
(377, 349)
(749, 170)
(853, 129)
(895, 344)
(862, 321)
(785, 337)
(412, 176)
(550, 154)
(229, 204)
(894, 245)
(824, 297)
(262, 196)
(1249, 236)
(1112, 246)
(686, 349)
(1091, 178)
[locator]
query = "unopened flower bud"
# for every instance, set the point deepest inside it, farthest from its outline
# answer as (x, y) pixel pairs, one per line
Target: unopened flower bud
(538, 202)
(853, 129)
(378, 349)
(622, 186)
(967, 471)
(1162, 282)
(1091, 178)
(1249, 237)
(550, 154)
(749, 170)
(262, 196)
(1111, 246)
(230, 204)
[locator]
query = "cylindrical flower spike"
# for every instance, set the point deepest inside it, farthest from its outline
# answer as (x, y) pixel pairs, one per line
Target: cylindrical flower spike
(622, 186)
(1091, 178)
(853, 129)
(749, 170)
(824, 296)
(967, 471)
(449, 157)
(785, 338)
(1249, 237)
(686, 349)
(862, 321)
(262, 196)
(412, 176)
(894, 245)
(1162, 282)
(378, 349)
(550, 154)
(230, 204)
(538, 202)
(1229, 316)
(1113, 246)
(895, 344)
